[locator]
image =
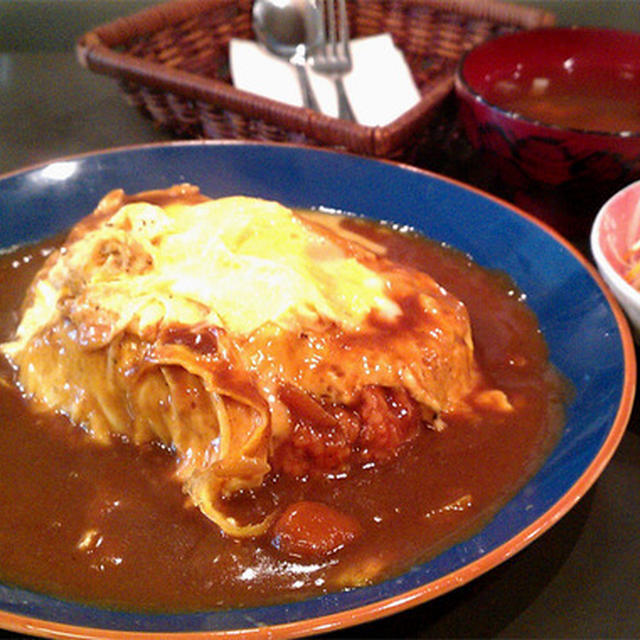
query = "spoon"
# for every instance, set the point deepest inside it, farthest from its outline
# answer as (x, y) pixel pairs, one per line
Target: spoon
(288, 28)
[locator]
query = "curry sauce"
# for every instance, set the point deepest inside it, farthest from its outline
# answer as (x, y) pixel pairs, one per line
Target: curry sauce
(110, 525)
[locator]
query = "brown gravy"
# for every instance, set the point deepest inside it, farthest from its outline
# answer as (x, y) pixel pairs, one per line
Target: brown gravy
(150, 552)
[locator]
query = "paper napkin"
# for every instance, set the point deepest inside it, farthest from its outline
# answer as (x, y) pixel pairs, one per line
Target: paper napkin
(380, 85)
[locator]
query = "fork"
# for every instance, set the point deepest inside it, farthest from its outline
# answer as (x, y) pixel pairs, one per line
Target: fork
(332, 55)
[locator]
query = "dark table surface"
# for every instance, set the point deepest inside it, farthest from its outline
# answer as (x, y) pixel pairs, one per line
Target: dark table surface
(580, 579)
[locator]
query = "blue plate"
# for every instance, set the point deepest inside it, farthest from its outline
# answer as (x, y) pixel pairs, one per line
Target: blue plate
(587, 334)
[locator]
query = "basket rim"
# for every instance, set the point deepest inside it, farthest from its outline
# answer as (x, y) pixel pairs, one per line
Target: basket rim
(96, 51)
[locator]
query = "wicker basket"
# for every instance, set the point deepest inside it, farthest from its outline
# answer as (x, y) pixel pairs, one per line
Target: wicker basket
(171, 61)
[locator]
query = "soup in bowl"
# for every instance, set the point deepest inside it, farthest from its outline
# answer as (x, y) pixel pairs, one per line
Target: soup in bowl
(556, 106)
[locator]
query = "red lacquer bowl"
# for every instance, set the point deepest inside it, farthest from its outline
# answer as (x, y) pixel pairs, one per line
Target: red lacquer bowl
(542, 147)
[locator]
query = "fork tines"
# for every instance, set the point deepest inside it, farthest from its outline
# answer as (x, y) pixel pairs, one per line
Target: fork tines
(336, 34)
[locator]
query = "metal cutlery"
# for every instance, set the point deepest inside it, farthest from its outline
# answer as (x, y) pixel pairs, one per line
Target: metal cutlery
(332, 56)
(289, 28)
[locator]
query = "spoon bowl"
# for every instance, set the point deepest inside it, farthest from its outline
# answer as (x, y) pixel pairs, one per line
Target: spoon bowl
(289, 29)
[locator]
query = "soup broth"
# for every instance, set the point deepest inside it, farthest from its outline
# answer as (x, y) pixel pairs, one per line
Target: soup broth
(592, 100)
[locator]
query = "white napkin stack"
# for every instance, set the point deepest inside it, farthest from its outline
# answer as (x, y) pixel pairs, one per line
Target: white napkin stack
(380, 85)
